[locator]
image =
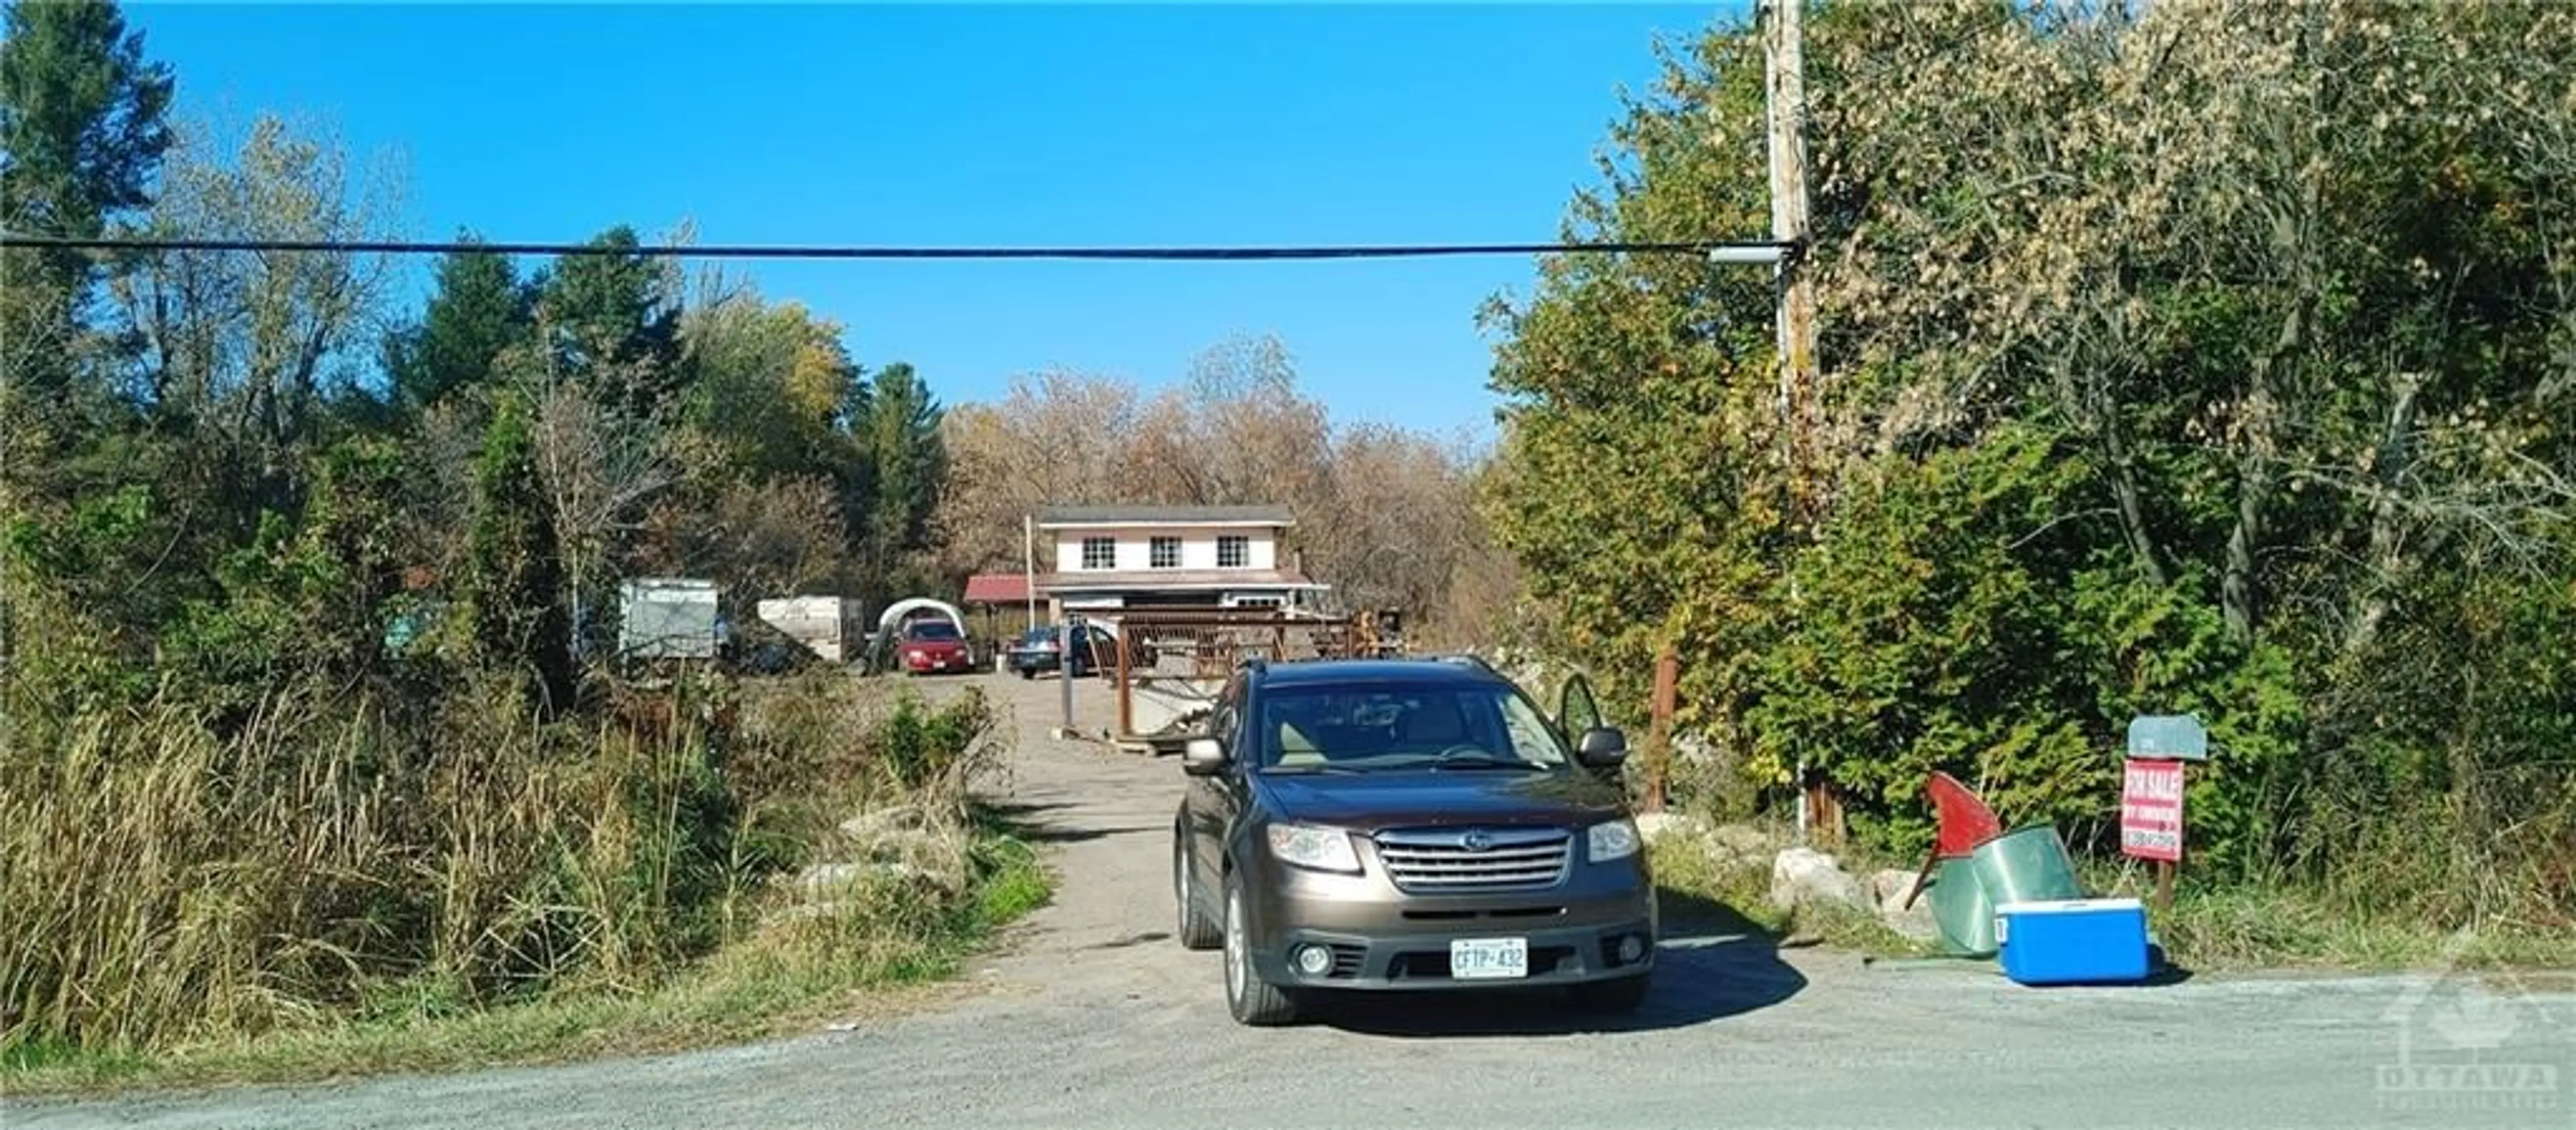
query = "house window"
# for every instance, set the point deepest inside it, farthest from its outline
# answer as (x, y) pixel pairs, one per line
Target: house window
(1166, 553)
(1233, 551)
(1099, 553)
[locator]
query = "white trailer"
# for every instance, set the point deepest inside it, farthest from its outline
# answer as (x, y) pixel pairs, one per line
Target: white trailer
(828, 626)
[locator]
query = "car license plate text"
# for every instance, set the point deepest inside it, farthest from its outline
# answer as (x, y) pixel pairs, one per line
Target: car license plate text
(1476, 958)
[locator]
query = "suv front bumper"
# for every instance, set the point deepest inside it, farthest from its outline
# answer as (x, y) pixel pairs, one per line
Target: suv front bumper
(1380, 939)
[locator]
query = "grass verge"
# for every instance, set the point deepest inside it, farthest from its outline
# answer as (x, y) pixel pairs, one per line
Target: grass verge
(2273, 928)
(866, 957)
(2209, 929)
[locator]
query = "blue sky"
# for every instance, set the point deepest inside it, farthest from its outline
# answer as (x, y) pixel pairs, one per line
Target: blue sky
(986, 124)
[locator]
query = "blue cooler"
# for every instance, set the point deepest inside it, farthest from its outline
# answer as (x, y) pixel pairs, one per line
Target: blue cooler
(2072, 941)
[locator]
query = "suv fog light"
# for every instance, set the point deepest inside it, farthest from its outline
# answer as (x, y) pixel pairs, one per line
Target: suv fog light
(1631, 948)
(1313, 960)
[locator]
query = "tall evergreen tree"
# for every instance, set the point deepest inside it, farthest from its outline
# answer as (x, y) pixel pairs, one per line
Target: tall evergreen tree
(514, 575)
(479, 310)
(81, 137)
(615, 325)
(81, 130)
(905, 460)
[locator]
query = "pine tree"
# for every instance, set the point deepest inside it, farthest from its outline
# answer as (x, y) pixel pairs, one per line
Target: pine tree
(479, 310)
(514, 582)
(81, 131)
(905, 461)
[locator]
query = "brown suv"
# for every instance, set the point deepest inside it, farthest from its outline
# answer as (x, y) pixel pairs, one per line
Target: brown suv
(1409, 824)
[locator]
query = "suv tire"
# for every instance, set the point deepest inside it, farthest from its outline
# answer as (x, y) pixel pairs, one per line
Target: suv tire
(1198, 929)
(1623, 996)
(1252, 1000)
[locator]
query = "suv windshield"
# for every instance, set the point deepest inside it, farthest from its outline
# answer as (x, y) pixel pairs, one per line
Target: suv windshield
(1379, 727)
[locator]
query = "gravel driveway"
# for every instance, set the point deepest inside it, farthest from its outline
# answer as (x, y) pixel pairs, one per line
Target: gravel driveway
(1094, 1016)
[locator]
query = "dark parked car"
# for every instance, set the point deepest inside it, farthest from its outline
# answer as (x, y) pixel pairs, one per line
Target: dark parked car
(1409, 824)
(933, 645)
(1038, 650)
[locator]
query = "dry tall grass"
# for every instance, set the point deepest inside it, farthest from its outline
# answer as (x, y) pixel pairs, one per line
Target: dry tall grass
(337, 858)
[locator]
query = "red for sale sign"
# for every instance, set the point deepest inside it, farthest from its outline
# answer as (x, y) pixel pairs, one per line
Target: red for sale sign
(2151, 810)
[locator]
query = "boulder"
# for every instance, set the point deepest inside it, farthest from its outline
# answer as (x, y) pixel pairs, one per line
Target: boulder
(1889, 885)
(1801, 876)
(834, 878)
(1916, 922)
(1742, 840)
(1660, 825)
(884, 823)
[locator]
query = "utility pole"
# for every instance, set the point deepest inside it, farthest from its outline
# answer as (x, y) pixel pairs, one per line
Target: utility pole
(1785, 87)
(1029, 565)
(1785, 99)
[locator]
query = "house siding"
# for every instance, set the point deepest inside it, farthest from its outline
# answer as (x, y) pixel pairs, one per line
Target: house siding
(1135, 547)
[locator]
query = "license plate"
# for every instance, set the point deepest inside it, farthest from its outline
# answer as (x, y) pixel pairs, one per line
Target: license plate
(1484, 958)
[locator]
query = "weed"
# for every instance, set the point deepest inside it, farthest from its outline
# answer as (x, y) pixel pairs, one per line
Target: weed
(327, 886)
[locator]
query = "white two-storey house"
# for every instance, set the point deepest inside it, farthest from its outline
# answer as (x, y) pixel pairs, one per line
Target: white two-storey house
(1126, 557)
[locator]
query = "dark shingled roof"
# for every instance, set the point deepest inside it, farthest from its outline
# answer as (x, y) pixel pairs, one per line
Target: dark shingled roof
(1168, 515)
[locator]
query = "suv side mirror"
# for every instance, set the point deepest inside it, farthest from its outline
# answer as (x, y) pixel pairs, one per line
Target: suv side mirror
(1203, 757)
(1602, 747)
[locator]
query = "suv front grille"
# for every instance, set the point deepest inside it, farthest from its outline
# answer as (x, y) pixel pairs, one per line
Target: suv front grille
(1430, 861)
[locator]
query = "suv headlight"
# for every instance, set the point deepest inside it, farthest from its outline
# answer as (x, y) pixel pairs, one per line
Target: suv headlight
(1324, 849)
(1617, 839)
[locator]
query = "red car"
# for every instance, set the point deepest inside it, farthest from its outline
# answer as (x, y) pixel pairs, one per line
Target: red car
(932, 645)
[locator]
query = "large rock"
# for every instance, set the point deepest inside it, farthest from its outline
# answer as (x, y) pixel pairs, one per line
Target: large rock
(1890, 887)
(1804, 876)
(1660, 825)
(825, 879)
(906, 842)
(880, 824)
(1736, 841)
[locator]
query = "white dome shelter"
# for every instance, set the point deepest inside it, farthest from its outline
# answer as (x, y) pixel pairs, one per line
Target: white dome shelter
(898, 610)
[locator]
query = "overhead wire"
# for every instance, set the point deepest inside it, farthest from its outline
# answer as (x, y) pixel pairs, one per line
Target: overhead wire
(857, 252)
(1880, 63)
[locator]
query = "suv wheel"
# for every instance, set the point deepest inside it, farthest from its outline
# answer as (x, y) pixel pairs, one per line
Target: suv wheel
(1625, 995)
(1198, 931)
(1252, 1000)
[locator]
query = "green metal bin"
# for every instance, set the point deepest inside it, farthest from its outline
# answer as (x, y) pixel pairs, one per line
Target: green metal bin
(1961, 909)
(2027, 864)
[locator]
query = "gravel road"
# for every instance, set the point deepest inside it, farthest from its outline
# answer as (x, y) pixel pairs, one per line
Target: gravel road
(1094, 1016)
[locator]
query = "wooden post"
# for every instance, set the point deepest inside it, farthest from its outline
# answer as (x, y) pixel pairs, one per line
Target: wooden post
(1126, 702)
(1824, 809)
(1659, 734)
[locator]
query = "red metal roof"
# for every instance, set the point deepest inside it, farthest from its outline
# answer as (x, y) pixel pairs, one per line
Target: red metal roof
(997, 588)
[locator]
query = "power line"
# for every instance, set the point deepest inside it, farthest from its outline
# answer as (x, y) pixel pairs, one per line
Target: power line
(817, 251)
